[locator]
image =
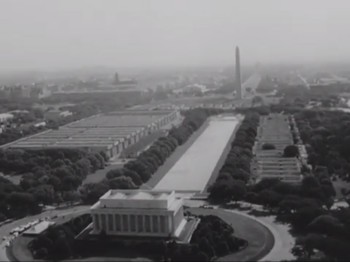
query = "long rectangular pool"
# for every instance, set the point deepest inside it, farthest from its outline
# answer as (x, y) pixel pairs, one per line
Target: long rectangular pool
(193, 170)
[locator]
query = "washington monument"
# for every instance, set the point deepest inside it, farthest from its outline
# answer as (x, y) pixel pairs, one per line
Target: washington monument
(238, 75)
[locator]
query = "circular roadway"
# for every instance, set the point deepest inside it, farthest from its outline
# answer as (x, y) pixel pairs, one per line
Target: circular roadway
(5, 229)
(260, 238)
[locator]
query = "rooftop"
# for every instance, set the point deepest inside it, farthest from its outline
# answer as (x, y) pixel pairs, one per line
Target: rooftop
(138, 199)
(99, 130)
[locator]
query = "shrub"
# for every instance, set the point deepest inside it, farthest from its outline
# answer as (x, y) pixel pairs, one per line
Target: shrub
(268, 146)
(291, 151)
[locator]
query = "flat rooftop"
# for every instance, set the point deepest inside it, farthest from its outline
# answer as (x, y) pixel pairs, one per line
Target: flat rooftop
(38, 228)
(95, 131)
(138, 199)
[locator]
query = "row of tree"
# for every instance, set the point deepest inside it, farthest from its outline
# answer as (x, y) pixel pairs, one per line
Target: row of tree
(235, 172)
(327, 145)
(140, 170)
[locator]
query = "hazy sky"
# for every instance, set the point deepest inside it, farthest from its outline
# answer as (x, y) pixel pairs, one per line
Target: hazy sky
(43, 34)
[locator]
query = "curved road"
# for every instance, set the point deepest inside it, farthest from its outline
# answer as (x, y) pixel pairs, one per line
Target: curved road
(259, 237)
(5, 229)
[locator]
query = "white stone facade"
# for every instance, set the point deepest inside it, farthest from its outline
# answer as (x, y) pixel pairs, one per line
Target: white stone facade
(138, 213)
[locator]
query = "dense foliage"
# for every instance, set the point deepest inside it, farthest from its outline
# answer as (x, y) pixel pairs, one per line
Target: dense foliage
(48, 176)
(235, 173)
(328, 150)
(328, 144)
(268, 146)
(291, 151)
(212, 237)
(58, 241)
(215, 238)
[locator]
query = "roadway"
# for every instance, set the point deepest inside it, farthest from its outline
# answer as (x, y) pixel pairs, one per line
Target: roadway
(260, 234)
(62, 213)
(259, 237)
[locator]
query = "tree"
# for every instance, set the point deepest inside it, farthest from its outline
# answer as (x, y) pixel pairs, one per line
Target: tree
(121, 183)
(113, 173)
(222, 248)
(291, 151)
(268, 146)
(241, 174)
(205, 246)
(92, 192)
(61, 249)
(238, 189)
(140, 169)
(136, 179)
(269, 198)
(41, 253)
(326, 224)
(71, 196)
(257, 100)
(251, 197)
(44, 194)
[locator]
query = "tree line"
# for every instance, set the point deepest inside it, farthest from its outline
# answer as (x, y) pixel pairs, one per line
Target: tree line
(235, 172)
(138, 171)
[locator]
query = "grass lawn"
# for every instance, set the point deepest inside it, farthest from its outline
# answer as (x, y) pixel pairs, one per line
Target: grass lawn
(100, 174)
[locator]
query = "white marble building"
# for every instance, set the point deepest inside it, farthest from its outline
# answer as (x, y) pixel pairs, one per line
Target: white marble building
(139, 213)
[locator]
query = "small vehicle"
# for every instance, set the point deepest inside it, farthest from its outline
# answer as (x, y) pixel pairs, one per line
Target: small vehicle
(14, 230)
(208, 207)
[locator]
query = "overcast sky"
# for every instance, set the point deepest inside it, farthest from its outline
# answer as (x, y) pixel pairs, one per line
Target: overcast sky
(42, 34)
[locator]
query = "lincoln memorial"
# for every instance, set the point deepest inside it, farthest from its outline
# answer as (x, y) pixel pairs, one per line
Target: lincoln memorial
(138, 213)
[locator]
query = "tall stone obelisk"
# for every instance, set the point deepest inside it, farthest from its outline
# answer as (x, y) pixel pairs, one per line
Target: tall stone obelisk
(238, 75)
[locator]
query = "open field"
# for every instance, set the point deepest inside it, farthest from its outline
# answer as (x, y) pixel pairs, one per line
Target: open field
(195, 167)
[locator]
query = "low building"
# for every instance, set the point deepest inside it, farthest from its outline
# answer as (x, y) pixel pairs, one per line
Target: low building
(139, 213)
(38, 228)
(112, 132)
